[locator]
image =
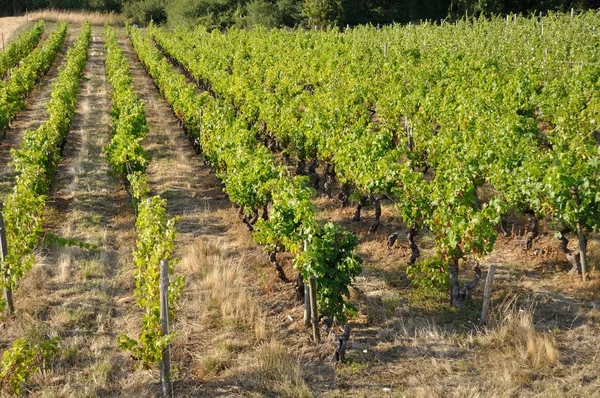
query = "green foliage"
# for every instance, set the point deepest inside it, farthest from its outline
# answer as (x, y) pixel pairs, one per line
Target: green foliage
(452, 124)
(23, 79)
(51, 239)
(155, 232)
(155, 241)
(214, 14)
(322, 12)
(225, 13)
(330, 258)
(289, 12)
(141, 12)
(35, 162)
(262, 12)
(139, 185)
(25, 357)
(291, 217)
(124, 152)
(250, 174)
(429, 274)
(20, 48)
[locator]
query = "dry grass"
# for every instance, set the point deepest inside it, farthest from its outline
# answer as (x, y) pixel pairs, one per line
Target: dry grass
(10, 27)
(219, 305)
(275, 372)
(515, 351)
(78, 17)
(224, 284)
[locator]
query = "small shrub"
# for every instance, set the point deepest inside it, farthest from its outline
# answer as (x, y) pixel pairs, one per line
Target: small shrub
(26, 356)
(429, 274)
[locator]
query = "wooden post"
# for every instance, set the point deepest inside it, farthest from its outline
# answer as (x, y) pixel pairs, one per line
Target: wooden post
(580, 237)
(582, 250)
(306, 296)
(10, 307)
(385, 49)
(487, 294)
(306, 304)
(572, 12)
(165, 363)
(313, 309)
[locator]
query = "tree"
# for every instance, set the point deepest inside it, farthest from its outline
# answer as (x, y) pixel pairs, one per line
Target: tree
(322, 12)
(261, 12)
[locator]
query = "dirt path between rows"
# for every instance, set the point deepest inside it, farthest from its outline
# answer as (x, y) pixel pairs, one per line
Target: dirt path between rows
(84, 295)
(32, 117)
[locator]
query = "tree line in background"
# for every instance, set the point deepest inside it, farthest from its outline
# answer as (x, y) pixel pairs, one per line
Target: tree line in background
(219, 14)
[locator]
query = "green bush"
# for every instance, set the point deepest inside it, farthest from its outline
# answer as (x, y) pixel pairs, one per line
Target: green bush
(141, 12)
(261, 12)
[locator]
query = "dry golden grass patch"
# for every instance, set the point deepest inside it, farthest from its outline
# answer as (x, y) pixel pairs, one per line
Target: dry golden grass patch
(200, 257)
(78, 17)
(11, 27)
(217, 305)
(273, 371)
(224, 285)
(513, 350)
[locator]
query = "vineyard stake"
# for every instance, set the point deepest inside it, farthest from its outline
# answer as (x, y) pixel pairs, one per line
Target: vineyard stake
(580, 237)
(165, 363)
(582, 250)
(306, 304)
(306, 296)
(10, 307)
(313, 309)
(487, 293)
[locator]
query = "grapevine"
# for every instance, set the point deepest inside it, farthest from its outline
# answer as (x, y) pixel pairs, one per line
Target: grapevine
(35, 162)
(23, 78)
(20, 48)
(155, 232)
